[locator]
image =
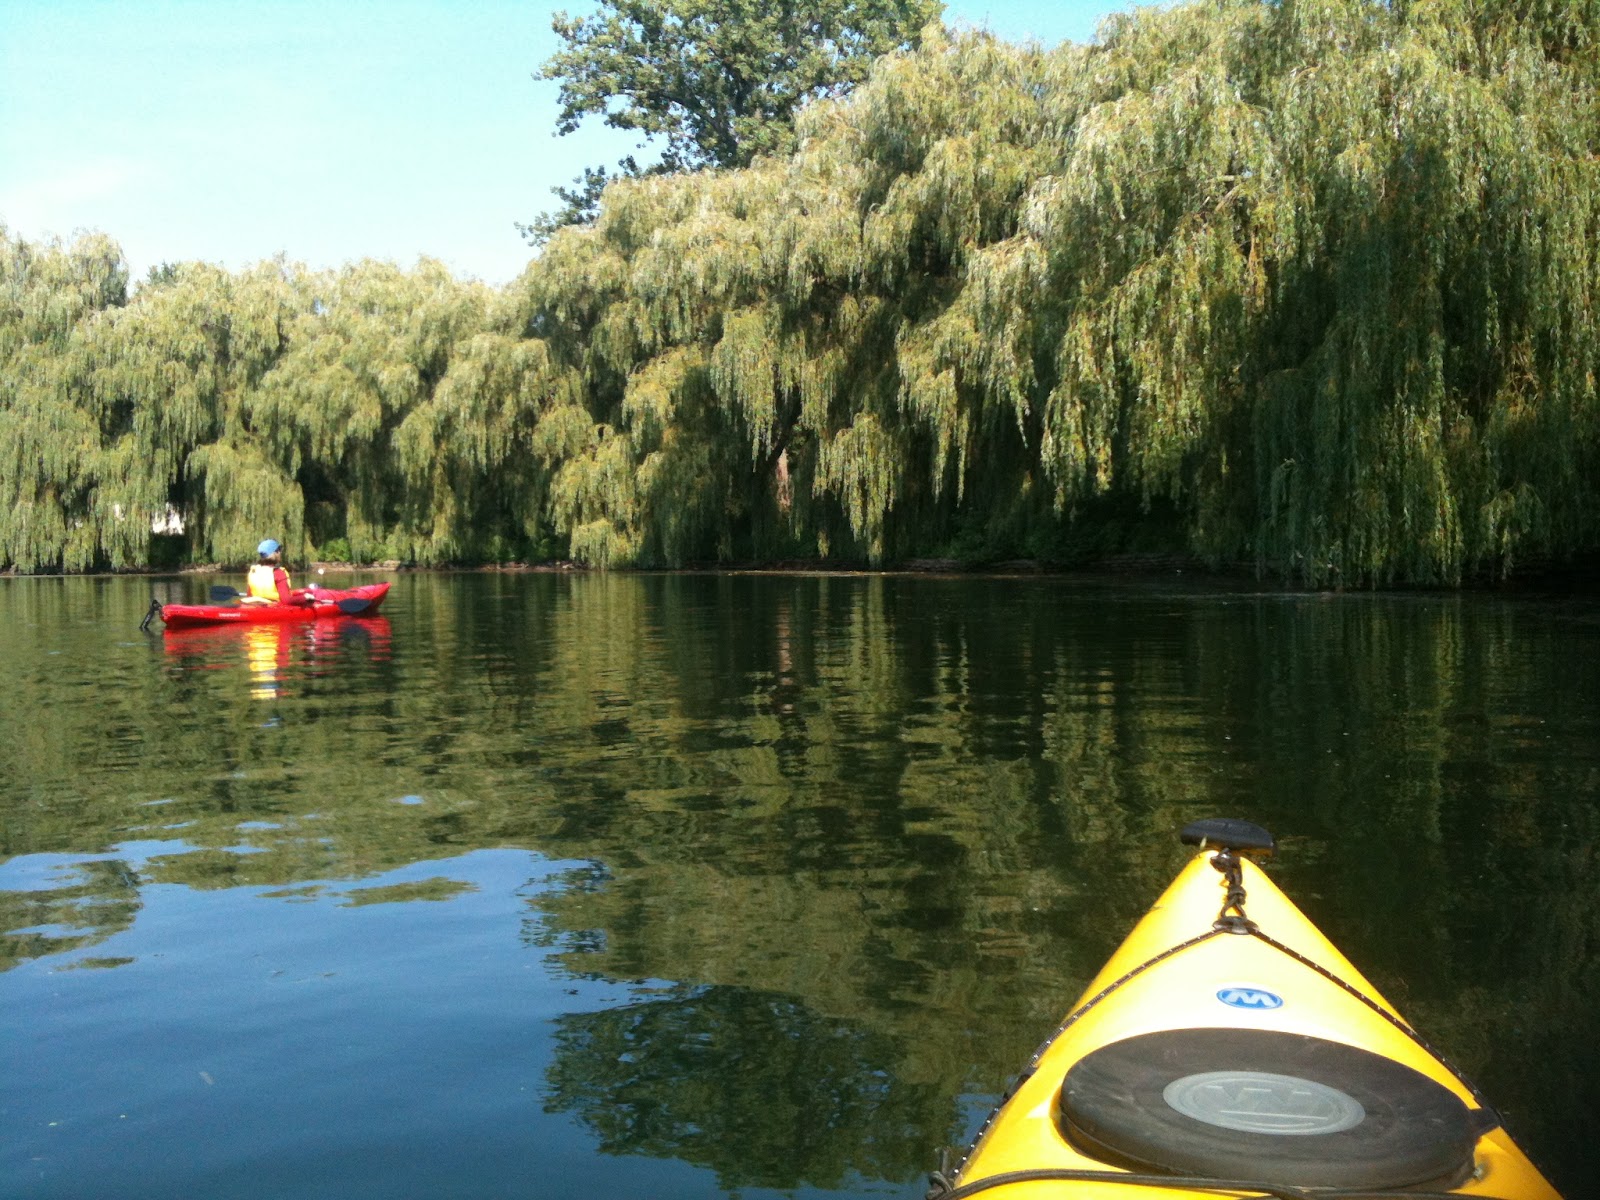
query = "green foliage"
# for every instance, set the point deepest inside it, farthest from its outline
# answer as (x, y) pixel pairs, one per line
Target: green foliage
(335, 550)
(718, 82)
(580, 204)
(1315, 279)
(1304, 286)
(52, 461)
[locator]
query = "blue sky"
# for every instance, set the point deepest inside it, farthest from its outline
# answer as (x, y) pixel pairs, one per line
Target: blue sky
(329, 131)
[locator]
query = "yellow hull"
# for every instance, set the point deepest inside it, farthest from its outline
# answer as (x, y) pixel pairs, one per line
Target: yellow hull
(1178, 990)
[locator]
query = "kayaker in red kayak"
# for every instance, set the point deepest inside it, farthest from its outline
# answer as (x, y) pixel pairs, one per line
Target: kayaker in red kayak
(268, 582)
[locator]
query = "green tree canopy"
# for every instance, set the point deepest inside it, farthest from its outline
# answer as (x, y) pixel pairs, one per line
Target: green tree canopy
(717, 82)
(1305, 285)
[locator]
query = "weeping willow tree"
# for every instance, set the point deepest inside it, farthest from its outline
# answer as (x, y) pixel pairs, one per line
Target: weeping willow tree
(1316, 277)
(474, 487)
(1324, 276)
(51, 457)
(368, 348)
(747, 343)
(316, 407)
(170, 374)
(1307, 285)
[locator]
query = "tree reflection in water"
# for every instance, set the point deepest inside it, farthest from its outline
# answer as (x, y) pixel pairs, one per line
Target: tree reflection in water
(753, 1085)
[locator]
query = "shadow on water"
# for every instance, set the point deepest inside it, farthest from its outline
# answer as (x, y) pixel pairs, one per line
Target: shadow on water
(839, 850)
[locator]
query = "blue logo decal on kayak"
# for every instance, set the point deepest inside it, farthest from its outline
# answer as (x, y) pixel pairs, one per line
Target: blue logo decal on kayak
(1248, 997)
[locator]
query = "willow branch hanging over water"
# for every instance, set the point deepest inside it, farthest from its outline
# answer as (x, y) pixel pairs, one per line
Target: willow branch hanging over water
(1305, 286)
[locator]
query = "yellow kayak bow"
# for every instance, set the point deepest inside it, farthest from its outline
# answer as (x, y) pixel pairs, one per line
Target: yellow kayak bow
(1228, 1049)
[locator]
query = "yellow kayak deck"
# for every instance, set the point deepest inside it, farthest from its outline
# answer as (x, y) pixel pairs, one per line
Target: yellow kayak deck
(1228, 1048)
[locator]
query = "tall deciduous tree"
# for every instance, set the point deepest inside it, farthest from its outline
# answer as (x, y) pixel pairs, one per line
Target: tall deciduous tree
(718, 82)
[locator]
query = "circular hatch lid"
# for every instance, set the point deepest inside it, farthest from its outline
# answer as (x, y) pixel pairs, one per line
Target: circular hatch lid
(1259, 1104)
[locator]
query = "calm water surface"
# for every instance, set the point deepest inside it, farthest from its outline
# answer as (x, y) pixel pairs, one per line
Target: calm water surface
(579, 886)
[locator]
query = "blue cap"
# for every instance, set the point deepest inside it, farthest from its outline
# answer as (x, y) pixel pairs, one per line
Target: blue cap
(268, 547)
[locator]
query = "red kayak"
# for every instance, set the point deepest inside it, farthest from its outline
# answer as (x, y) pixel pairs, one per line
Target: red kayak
(327, 602)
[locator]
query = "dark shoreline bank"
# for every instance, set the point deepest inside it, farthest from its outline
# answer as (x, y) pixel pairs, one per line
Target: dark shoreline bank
(1145, 569)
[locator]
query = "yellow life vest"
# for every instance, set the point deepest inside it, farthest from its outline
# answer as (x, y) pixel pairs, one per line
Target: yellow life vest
(261, 583)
